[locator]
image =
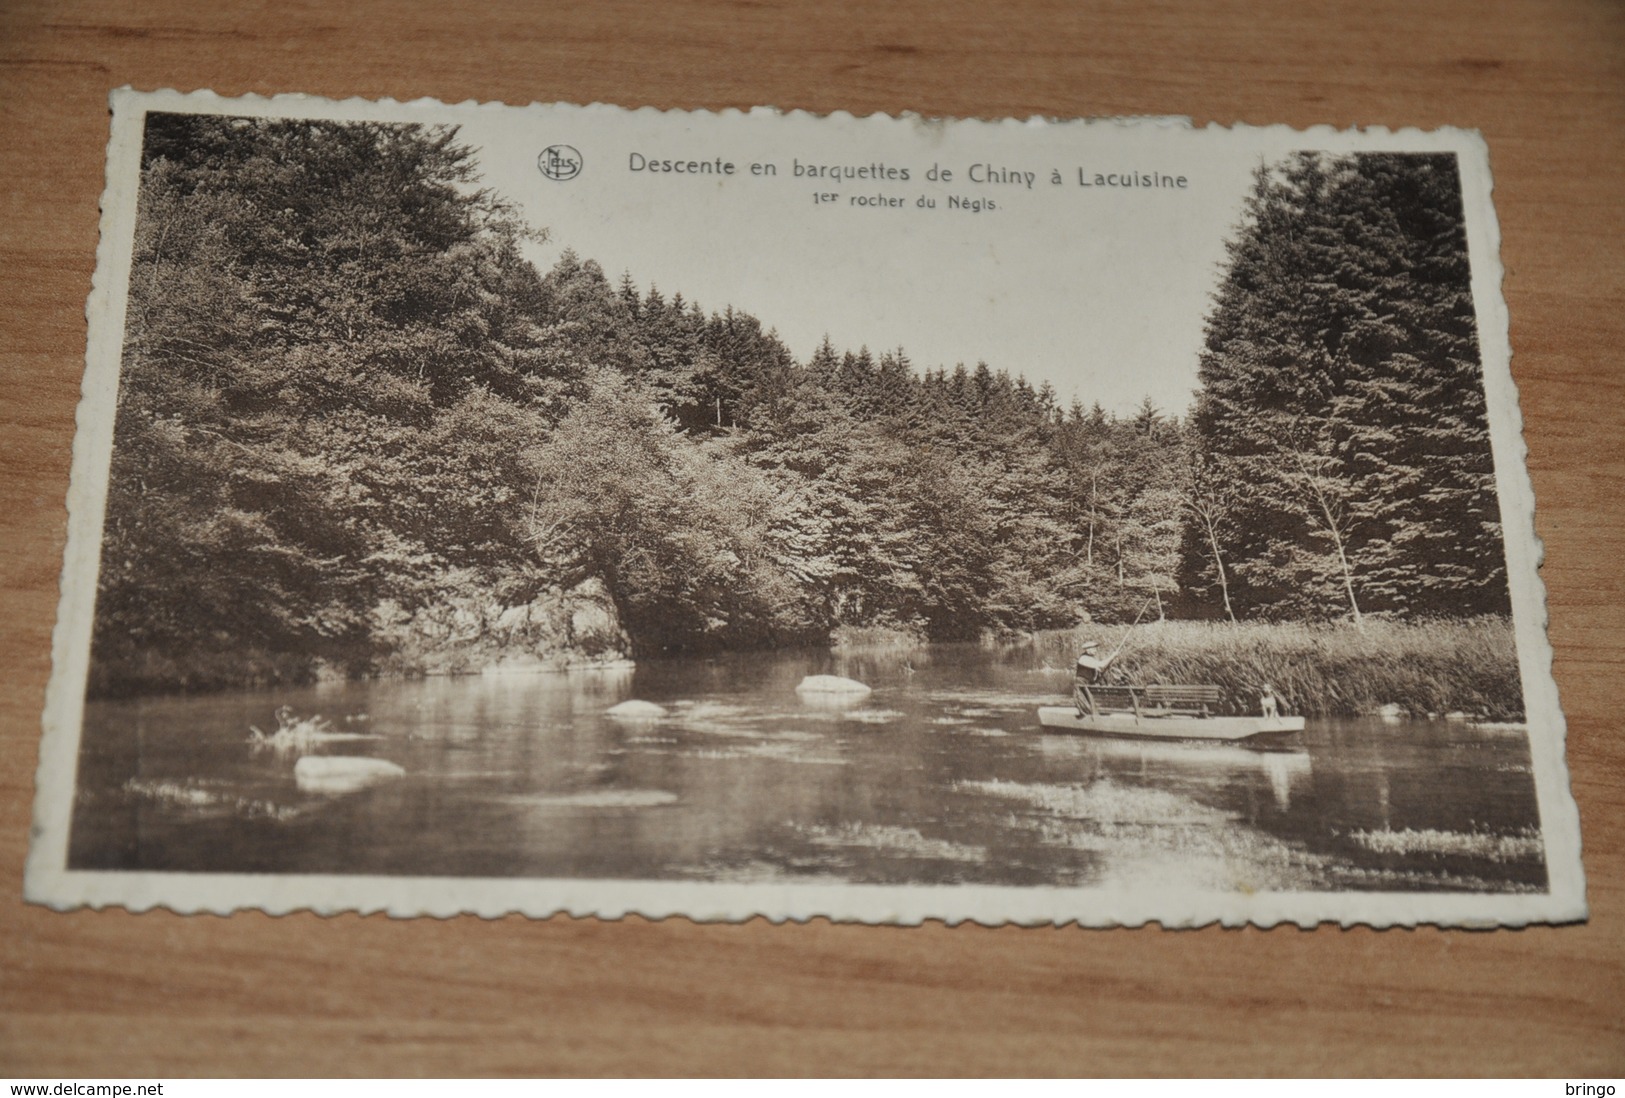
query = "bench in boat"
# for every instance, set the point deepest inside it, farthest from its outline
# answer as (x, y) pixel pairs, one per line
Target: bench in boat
(1160, 711)
(1156, 698)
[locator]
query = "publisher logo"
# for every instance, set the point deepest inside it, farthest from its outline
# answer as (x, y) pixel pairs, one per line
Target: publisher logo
(559, 162)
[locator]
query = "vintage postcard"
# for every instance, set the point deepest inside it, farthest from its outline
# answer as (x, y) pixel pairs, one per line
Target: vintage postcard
(572, 509)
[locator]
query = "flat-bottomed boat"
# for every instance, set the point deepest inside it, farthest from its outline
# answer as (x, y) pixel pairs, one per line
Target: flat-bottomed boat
(1160, 712)
(1066, 718)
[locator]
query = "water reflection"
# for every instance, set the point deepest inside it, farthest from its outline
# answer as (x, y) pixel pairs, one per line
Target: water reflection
(1172, 764)
(940, 775)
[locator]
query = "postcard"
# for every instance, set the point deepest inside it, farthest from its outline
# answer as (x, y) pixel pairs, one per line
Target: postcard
(489, 509)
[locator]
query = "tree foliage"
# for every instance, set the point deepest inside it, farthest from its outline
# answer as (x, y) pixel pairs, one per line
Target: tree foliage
(349, 403)
(323, 319)
(1342, 406)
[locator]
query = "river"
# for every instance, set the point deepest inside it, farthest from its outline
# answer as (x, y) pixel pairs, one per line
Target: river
(940, 776)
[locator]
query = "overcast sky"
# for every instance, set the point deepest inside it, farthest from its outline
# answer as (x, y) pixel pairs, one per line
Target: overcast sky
(1102, 291)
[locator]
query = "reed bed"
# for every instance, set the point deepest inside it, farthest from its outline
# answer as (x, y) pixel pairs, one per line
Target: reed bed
(1467, 667)
(1522, 846)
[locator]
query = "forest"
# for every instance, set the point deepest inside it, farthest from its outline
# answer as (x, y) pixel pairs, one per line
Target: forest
(359, 432)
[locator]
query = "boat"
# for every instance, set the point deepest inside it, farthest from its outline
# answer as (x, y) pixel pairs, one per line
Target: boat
(1066, 718)
(1162, 712)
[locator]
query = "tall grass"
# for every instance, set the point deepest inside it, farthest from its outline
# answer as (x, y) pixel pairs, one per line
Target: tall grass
(1468, 666)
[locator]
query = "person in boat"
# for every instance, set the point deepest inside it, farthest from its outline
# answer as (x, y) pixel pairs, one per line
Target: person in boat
(1091, 668)
(1090, 671)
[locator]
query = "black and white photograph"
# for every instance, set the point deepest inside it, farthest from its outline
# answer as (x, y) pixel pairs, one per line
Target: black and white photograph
(535, 509)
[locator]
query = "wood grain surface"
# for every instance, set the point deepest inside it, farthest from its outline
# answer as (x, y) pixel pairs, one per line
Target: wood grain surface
(114, 994)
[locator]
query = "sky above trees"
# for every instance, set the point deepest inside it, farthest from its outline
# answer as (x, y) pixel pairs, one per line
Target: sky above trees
(1100, 294)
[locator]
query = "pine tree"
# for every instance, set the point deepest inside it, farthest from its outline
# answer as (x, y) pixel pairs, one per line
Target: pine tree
(1342, 397)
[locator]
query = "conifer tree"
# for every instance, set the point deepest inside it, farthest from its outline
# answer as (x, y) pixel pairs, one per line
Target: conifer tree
(309, 301)
(1343, 399)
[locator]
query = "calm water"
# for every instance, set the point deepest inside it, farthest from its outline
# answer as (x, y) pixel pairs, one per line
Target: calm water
(941, 775)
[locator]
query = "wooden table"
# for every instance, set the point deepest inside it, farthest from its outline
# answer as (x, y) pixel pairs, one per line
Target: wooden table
(109, 993)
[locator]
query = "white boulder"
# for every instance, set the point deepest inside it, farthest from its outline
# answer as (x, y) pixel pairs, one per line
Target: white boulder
(635, 710)
(832, 684)
(342, 773)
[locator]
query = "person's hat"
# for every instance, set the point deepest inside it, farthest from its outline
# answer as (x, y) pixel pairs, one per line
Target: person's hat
(1090, 646)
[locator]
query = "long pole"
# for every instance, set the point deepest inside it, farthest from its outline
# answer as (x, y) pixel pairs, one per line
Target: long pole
(1146, 606)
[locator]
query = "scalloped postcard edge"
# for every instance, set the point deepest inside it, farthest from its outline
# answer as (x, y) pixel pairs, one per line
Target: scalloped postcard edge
(50, 882)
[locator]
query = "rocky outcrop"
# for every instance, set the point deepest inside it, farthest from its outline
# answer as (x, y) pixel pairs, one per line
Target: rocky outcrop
(557, 630)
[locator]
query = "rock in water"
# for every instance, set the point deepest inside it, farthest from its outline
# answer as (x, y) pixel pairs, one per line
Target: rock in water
(1391, 712)
(635, 710)
(831, 684)
(342, 773)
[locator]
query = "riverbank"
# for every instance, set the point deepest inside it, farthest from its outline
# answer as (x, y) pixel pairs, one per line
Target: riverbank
(1467, 666)
(557, 630)
(1331, 669)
